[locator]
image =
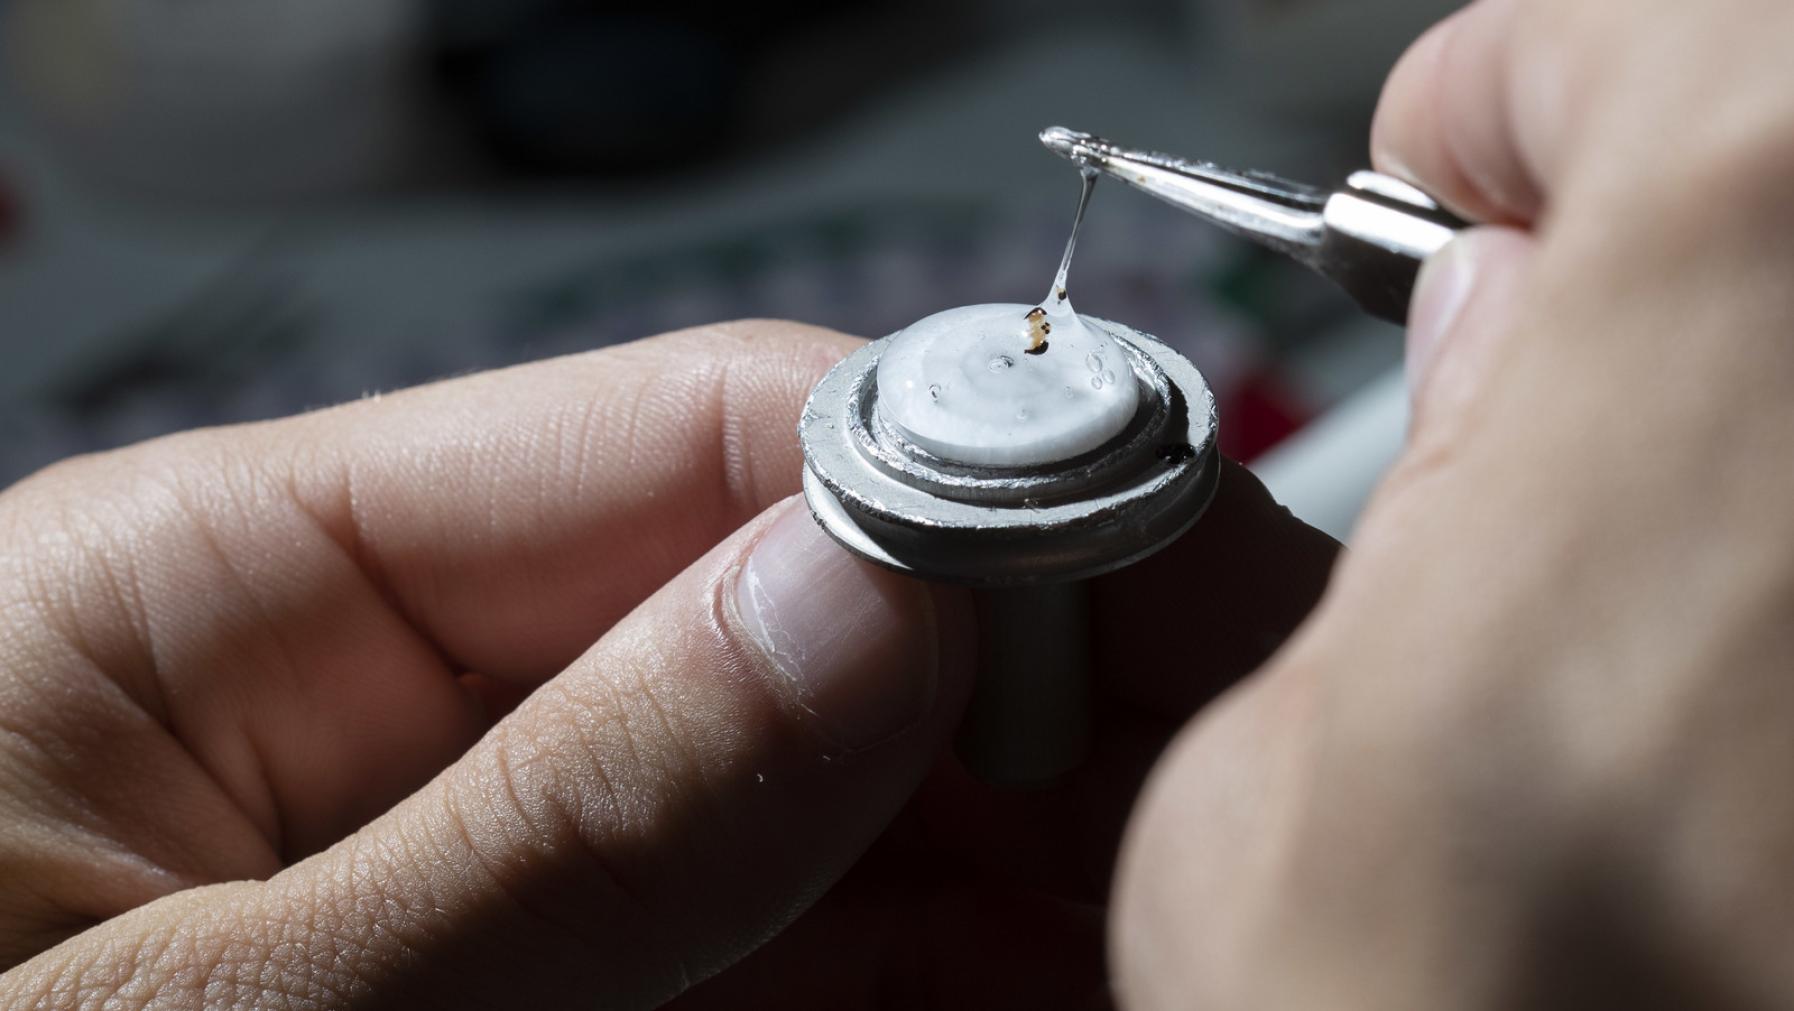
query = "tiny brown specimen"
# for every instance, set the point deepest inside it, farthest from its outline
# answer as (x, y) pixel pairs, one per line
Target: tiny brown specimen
(1038, 328)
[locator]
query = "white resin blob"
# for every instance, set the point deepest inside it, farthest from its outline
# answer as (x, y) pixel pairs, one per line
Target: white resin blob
(961, 385)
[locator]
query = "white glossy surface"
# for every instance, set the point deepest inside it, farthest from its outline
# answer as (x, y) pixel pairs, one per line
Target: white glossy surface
(961, 385)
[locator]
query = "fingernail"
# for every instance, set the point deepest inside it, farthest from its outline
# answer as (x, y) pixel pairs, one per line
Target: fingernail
(853, 644)
(1440, 294)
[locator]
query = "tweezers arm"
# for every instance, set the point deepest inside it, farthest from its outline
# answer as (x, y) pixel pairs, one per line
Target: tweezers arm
(1370, 237)
(1286, 226)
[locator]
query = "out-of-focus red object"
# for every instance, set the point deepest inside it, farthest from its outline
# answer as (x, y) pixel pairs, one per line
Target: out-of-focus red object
(1257, 413)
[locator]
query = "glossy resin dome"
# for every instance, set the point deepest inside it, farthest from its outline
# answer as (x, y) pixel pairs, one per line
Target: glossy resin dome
(1006, 385)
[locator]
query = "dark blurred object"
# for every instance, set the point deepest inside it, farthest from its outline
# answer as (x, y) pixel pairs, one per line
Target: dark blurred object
(556, 86)
(12, 212)
(578, 87)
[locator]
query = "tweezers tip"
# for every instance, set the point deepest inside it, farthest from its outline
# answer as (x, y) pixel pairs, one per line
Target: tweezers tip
(1066, 143)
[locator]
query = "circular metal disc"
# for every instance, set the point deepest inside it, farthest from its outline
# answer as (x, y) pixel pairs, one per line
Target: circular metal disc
(1059, 523)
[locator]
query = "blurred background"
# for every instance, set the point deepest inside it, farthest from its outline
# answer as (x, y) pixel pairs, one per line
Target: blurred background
(223, 210)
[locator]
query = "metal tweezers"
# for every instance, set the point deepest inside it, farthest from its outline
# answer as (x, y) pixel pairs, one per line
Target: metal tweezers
(1370, 236)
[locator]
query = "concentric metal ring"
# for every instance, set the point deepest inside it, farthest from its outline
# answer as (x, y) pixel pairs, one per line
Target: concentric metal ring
(892, 503)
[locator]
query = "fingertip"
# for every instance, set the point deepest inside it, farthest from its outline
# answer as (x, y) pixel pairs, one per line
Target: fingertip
(855, 648)
(1446, 122)
(1406, 110)
(811, 350)
(1440, 292)
(783, 330)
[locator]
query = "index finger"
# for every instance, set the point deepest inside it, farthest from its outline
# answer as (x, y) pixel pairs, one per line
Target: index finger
(510, 516)
(295, 599)
(1454, 120)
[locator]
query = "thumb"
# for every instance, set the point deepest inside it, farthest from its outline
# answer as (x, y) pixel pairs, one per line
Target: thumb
(1464, 301)
(660, 808)
(1466, 305)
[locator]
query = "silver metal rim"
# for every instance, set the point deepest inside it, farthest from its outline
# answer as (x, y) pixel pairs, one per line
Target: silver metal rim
(995, 527)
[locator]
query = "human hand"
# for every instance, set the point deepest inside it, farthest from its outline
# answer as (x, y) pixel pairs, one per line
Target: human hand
(258, 744)
(1532, 750)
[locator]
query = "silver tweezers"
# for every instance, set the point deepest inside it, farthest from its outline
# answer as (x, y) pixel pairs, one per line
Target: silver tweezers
(1370, 236)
